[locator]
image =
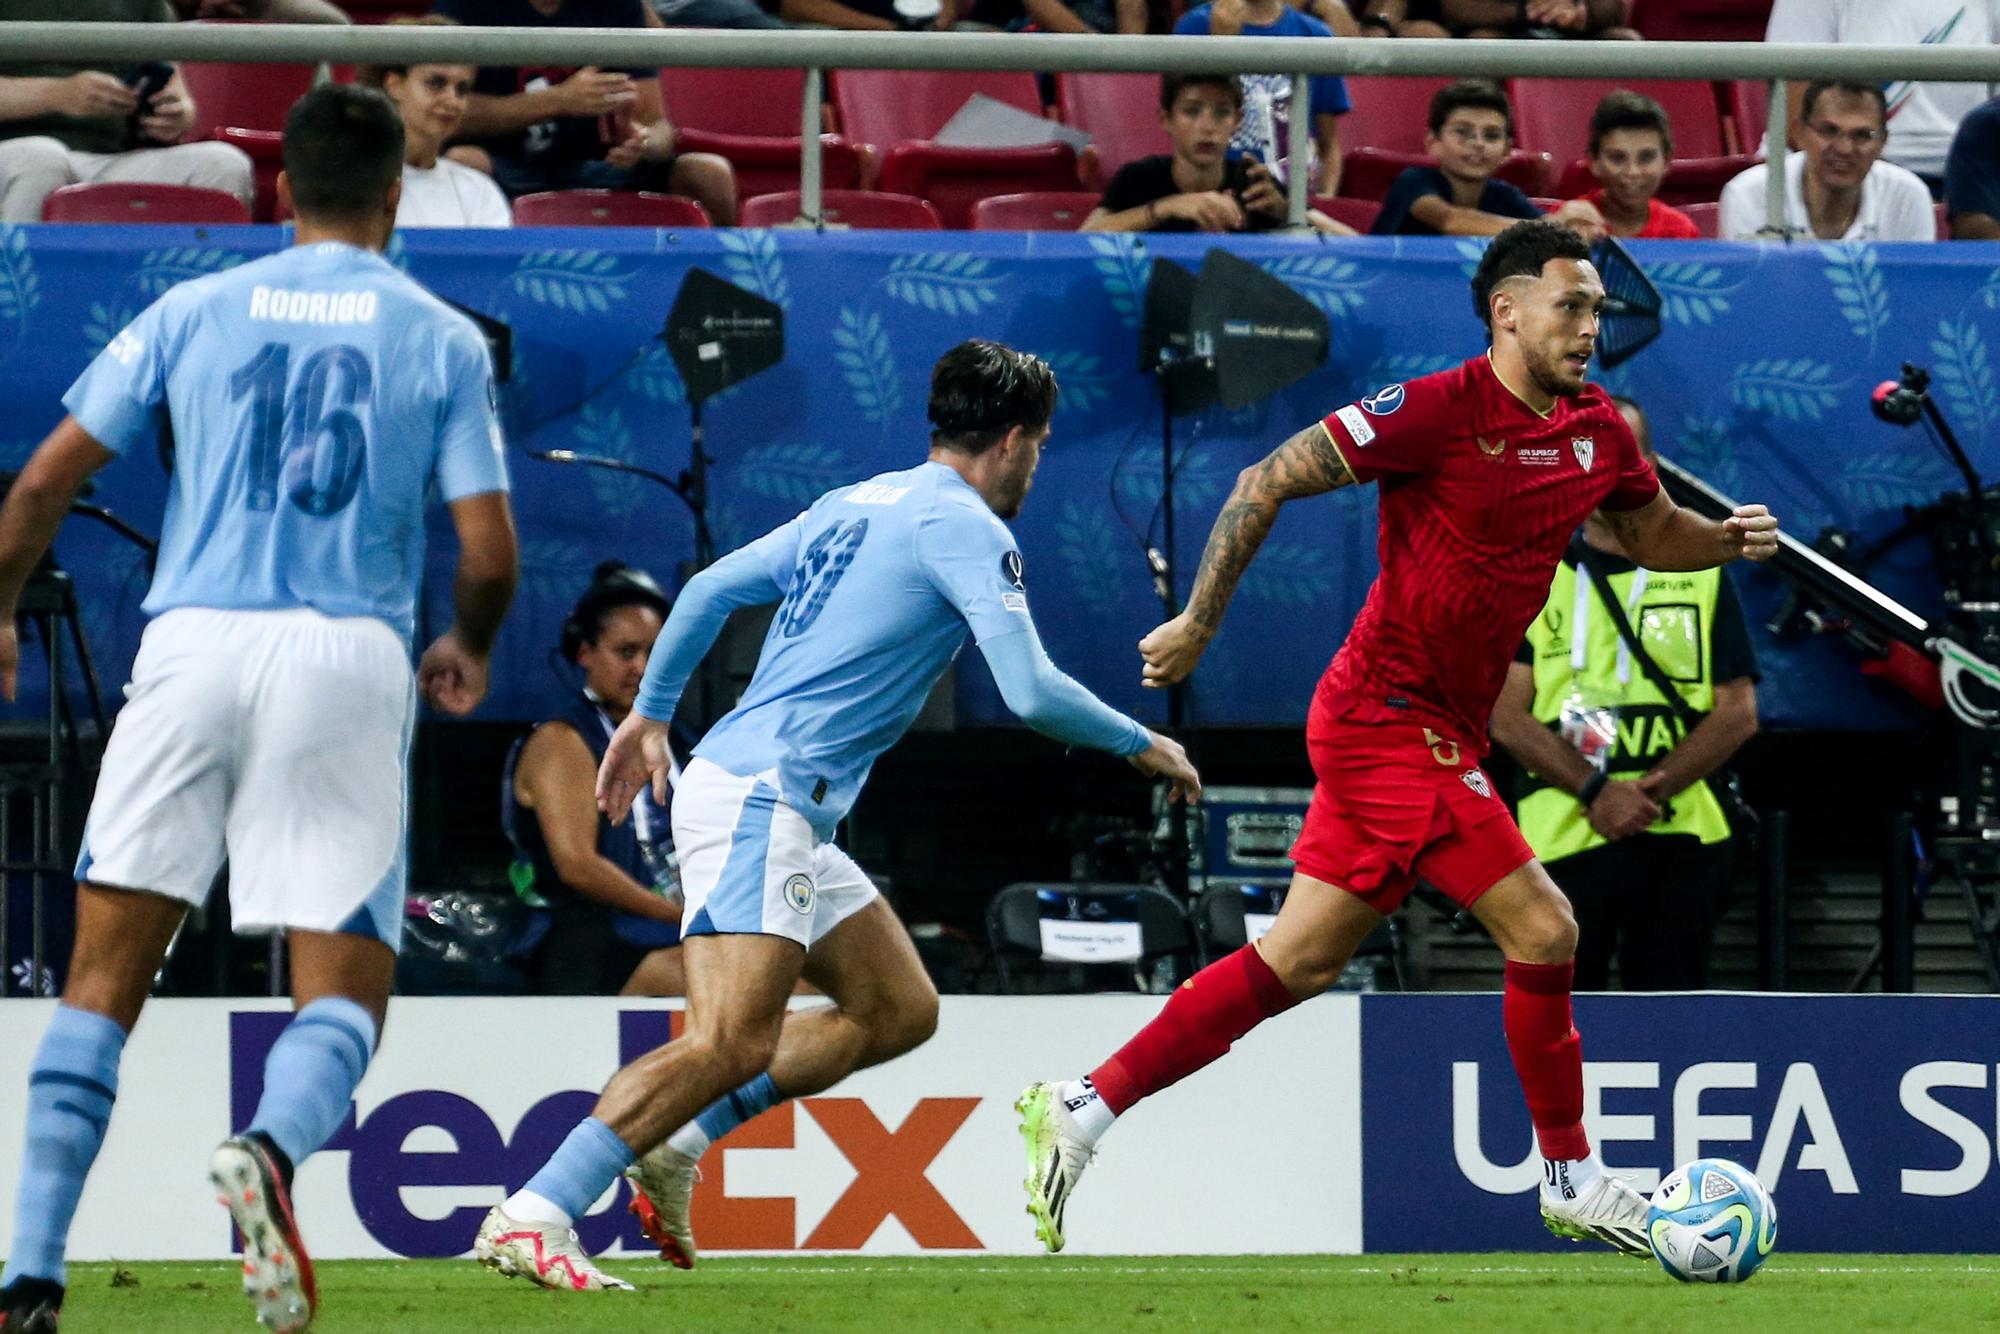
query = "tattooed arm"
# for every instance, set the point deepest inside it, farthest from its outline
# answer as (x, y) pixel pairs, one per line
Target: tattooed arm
(1305, 465)
(1661, 535)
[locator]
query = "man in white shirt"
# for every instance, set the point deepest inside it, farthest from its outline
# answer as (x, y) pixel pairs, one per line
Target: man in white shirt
(1837, 189)
(437, 191)
(1922, 116)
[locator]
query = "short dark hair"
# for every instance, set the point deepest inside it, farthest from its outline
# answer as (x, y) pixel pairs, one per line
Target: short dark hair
(1852, 87)
(1522, 251)
(1173, 85)
(343, 150)
(613, 584)
(1470, 95)
(982, 390)
(1623, 109)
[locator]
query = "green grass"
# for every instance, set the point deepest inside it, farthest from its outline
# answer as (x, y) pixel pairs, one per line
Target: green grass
(1570, 1293)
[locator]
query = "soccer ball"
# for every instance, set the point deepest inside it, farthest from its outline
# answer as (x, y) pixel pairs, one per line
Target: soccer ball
(1712, 1222)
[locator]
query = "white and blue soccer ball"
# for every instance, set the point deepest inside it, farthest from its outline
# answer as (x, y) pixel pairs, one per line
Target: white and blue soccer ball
(1712, 1222)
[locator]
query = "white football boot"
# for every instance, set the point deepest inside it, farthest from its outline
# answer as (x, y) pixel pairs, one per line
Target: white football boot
(1057, 1155)
(541, 1253)
(1607, 1210)
(662, 1189)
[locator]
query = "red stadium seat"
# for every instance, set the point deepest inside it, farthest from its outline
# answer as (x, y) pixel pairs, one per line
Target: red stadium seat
(1689, 180)
(1943, 222)
(1553, 115)
(1390, 114)
(865, 210)
(1359, 214)
(138, 201)
(1704, 216)
(1045, 211)
(767, 165)
(883, 107)
(607, 208)
(266, 151)
(1367, 173)
(954, 179)
(1120, 113)
(766, 103)
(1749, 107)
(250, 97)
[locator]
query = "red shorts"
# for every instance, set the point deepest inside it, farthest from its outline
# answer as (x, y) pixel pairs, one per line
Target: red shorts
(1397, 803)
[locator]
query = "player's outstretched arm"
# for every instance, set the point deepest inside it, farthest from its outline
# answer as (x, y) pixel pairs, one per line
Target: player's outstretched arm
(1661, 535)
(36, 505)
(453, 671)
(1305, 465)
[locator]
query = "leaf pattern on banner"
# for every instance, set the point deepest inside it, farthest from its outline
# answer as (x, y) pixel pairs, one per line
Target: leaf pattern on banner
(1082, 380)
(20, 285)
(1965, 373)
(1889, 481)
(1796, 389)
(1989, 294)
(1859, 287)
(1124, 267)
(948, 284)
(861, 346)
(603, 430)
(105, 322)
(1690, 293)
(160, 270)
(656, 376)
(1291, 574)
(1472, 249)
(754, 263)
(1197, 483)
(1331, 283)
(1707, 448)
(577, 280)
(554, 573)
(798, 474)
(1083, 537)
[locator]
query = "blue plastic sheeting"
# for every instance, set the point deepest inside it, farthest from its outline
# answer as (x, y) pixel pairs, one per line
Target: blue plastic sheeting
(1760, 383)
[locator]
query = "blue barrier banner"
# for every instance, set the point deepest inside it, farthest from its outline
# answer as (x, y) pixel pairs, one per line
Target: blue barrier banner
(1760, 383)
(1871, 1119)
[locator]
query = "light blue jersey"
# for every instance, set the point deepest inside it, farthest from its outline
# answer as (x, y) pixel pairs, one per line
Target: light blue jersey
(314, 396)
(880, 583)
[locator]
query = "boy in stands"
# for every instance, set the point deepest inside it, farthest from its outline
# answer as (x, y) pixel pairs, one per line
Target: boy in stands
(1630, 147)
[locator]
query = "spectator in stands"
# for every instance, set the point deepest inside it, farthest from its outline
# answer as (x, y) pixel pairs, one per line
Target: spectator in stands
(68, 124)
(1972, 176)
(1198, 187)
(716, 14)
(1402, 18)
(437, 192)
(1630, 147)
(609, 929)
(1838, 188)
(1263, 131)
(1922, 116)
(1078, 16)
(1538, 18)
(1619, 806)
(1471, 133)
(549, 128)
(868, 15)
(263, 11)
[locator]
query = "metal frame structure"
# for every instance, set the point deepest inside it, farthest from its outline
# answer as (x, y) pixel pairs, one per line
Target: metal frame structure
(816, 52)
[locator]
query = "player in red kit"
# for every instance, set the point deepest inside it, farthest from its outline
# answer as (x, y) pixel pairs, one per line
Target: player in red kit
(1485, 471)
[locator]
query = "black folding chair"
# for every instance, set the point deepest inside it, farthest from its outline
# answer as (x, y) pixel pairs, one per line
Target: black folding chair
(1070, 936)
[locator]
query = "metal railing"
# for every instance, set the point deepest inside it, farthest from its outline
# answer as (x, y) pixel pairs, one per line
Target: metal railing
(816, 52)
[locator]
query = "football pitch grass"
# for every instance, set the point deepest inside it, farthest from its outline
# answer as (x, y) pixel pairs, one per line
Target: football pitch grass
(1576, 1293)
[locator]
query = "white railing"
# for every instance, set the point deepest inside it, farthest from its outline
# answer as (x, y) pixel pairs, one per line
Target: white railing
(815, 52)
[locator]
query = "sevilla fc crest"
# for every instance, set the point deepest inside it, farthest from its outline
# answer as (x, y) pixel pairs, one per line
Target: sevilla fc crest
(1585, 449)
(1476, 780)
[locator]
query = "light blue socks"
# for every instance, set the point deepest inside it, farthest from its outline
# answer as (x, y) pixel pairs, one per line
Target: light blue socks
(70, 1091)
(311, 1074)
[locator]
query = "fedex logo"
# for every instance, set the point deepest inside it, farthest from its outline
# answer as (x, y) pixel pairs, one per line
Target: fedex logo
(889, 1162)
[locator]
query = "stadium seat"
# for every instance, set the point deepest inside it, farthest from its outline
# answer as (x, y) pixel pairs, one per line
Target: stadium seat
(863, 210)
(1688, 181)
(1390, 114)
(266, 151)
(1749, 109)
(1120, 113)
(765, 165)
(1223, 914)
(1043, 211)
(1367, 173)
(1024, 921)
(1703, 20)
(954, 179)
(767, 103)
(249, 97)
(883, 107)
(140, 201)
(1359, 214)
(1943, 221)
(1704, 216)
(607, 208)
(1553, 115)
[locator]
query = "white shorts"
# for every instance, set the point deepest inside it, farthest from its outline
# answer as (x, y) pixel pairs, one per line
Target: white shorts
(751, 865)
(279, 737)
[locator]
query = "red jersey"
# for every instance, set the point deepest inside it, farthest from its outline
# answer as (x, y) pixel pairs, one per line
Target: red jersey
(1480, 495)
(1664, 222)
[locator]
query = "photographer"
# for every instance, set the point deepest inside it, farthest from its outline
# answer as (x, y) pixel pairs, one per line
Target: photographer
(1198, 187)
(1620, 808)
(608, 929)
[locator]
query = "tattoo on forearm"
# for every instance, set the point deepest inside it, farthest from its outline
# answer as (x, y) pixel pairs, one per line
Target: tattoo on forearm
(1305, 465)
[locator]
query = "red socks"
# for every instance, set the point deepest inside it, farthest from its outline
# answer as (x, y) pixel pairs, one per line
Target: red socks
(1548, 1054)
(1201, 1021)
